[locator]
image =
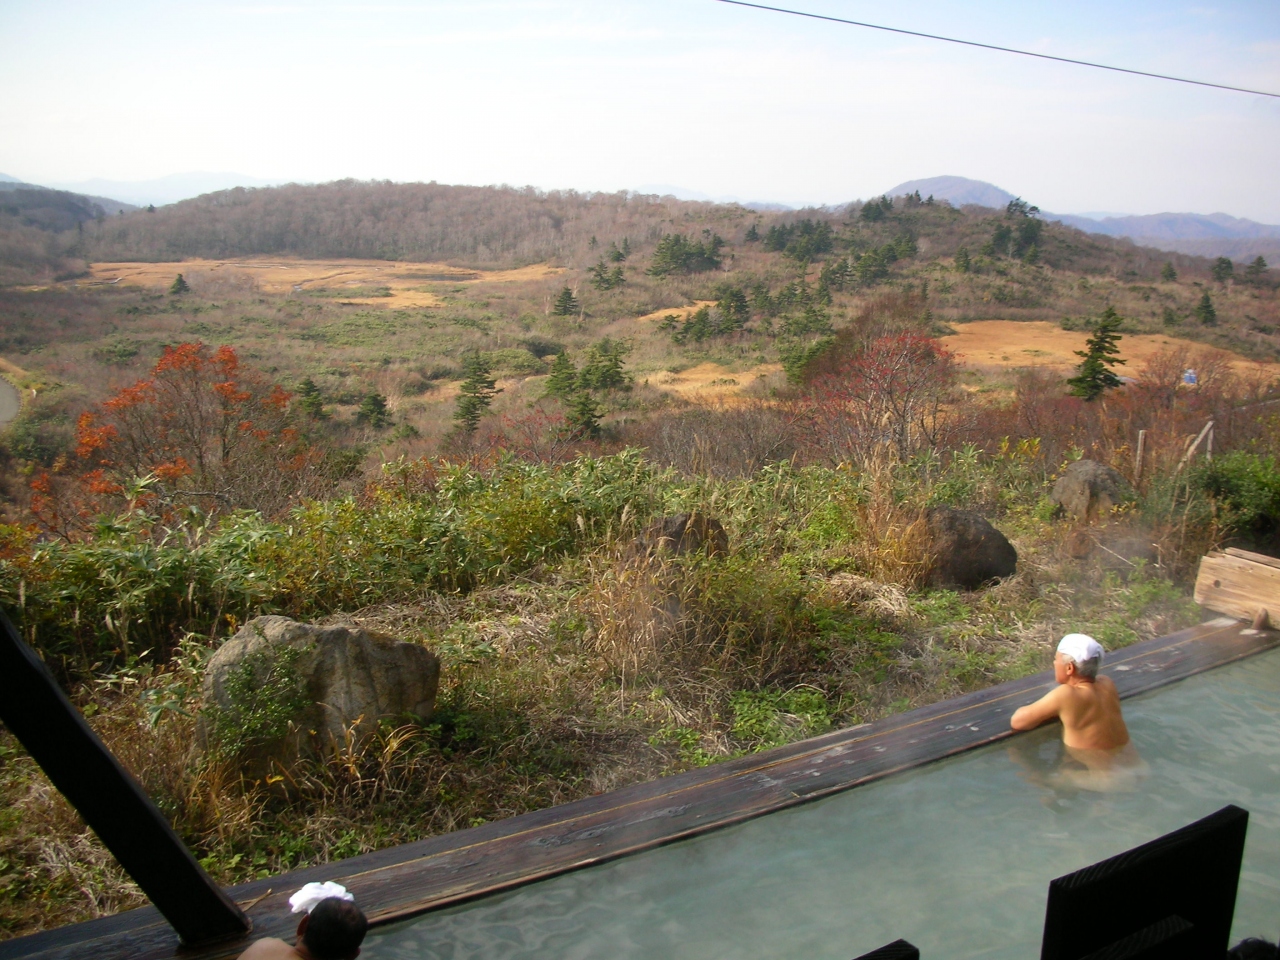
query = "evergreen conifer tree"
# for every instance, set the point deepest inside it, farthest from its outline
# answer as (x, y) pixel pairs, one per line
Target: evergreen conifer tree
(373, 411)
(1168, 274)
(1223, 269)
(963, 263)
(179, 286)
(600, 276)
(566, 304)
(1255, 270)
(602, 368)
(562, 382)
(1205, 312)
(753, 233)
(476, 393)
(311, 401)
(1094, 375)
(583, 415)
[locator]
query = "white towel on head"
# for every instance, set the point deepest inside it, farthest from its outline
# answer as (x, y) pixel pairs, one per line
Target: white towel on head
(1080, 647)
(305, 900)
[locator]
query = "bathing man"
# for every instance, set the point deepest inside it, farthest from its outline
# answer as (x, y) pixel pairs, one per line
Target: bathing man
(1088, 705)
(332, 928)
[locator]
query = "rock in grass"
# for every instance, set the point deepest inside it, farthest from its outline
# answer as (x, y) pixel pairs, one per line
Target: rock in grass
(965, 550)
(1089, 490)
(681, 534)
(280, 690)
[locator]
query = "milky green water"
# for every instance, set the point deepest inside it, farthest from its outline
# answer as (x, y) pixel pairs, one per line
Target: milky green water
(955, 856)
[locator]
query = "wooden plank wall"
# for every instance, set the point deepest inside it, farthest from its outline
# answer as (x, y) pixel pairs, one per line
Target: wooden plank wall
(402, 881)
(1240, 584)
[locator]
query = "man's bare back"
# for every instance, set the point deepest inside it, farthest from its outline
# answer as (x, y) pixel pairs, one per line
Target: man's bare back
(271, 948)
(1087, 705)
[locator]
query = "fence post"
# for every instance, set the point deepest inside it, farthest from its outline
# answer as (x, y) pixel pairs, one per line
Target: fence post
(1191, 450)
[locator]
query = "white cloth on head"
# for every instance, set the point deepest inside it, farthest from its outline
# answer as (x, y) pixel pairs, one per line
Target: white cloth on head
(1080, 647)
(305, 900)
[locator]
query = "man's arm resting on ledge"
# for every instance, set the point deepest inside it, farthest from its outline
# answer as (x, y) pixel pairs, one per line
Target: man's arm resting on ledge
(1042, 711)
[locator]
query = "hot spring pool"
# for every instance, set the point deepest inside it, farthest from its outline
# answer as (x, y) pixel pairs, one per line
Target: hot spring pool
(955, 856)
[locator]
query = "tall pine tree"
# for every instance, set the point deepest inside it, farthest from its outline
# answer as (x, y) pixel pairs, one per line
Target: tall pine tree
(566, 304)
(1101, 353)
(1204, 311)
(562, 382)
(476, 393)
(583, 415)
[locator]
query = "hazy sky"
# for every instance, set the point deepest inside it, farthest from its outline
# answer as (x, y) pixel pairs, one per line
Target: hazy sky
(633, 93)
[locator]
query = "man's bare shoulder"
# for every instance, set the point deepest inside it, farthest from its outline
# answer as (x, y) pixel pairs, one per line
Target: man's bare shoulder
(269, 948)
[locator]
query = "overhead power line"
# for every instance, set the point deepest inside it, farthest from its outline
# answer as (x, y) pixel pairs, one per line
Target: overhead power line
(992, 46)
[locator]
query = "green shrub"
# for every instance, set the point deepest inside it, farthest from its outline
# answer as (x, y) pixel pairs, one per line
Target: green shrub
(1246, 489)
(138, 585)
(516, 362)
(266, 695)
(766, 719)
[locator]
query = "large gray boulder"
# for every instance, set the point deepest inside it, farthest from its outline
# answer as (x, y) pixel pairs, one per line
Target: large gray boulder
(280, 690)
(1089, 490)
(965, 550)
(681, 534)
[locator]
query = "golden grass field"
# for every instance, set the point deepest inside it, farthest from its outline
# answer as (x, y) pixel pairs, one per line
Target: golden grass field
(992, 345)
(290, 275)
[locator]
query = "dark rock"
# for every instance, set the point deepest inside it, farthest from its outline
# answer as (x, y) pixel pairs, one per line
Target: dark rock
(1089, 490)
(681, 534)
(280, 690)
(965, 550)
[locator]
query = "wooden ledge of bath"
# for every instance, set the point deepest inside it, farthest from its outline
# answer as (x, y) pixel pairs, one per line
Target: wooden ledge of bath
(401, 881)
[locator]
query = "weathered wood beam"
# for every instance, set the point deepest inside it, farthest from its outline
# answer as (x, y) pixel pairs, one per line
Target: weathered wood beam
(33, 706)
(1240, 584)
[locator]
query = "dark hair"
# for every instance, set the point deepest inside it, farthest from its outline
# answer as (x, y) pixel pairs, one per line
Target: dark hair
(336, 929)
(1253, 949)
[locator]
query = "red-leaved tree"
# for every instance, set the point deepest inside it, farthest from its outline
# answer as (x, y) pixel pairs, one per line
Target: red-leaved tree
(201, 429)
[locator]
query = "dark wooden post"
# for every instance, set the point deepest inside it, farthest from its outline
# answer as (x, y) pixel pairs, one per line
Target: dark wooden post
(34, 707)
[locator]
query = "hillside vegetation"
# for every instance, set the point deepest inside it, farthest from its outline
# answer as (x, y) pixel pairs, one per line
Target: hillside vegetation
(454, 449)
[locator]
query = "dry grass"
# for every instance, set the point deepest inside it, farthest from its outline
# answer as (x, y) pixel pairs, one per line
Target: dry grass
(602, 672)
(993, 345)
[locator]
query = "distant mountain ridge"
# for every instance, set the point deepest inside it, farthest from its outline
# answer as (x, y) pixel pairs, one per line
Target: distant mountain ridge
(959, 191)
(1175, 226)
(108, 205)
(1206, 235)
(164, 190)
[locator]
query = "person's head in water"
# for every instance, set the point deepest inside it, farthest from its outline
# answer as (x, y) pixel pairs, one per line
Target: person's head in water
(333, 930)
(1079, 656)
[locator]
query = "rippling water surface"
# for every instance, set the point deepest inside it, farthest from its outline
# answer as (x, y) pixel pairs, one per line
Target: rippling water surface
(955, 857)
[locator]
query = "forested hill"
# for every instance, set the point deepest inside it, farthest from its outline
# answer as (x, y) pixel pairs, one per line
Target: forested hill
(401, 221)
(503, 226)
